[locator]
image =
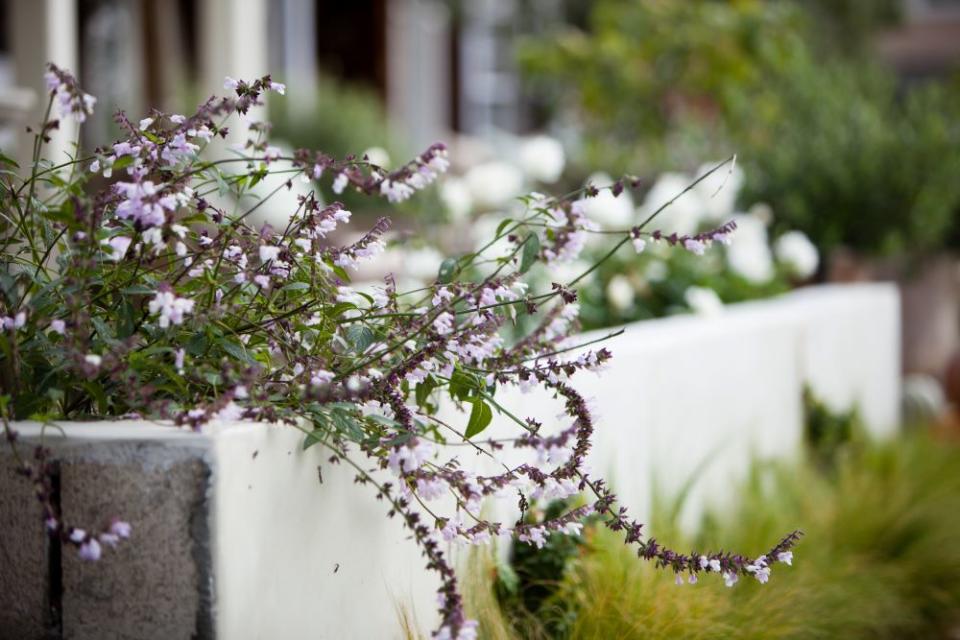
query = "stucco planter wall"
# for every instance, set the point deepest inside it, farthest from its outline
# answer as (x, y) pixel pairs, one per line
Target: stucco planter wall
(236, 537)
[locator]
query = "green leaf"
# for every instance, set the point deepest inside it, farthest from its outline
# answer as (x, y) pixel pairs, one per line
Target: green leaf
(480, 417)
(341, 273)
(138, 290)
(503, 225)
(122, 163)
(448, 269)
(531, 250)
(296, 286)
(314, 437)
(424, 389)
(222, 187)
(8, 160)
(360, 336)
(257, 177)
(463, 384)
(235, 349)
(197, 344)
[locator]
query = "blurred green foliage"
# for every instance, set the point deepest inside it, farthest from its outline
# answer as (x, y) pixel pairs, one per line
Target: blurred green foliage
(826, 134)
(879, 559)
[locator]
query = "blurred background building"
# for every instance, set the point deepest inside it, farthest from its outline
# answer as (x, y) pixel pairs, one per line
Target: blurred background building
(619, 83)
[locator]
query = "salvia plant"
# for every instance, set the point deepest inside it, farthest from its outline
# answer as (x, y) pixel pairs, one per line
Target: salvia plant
(143, 297)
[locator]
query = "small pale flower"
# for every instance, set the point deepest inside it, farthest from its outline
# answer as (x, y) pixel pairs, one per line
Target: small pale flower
(90, 551)
(340, 183)
(268, 253)
(696, 247)
(639, 244)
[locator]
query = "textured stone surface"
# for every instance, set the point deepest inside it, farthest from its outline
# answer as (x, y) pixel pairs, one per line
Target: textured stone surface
(154, 585)
(24, 608)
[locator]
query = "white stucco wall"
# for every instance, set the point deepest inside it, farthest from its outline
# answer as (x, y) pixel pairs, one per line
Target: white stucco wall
(293, 558)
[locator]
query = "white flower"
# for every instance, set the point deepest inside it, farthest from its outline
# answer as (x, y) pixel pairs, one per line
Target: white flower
(271, 153)
(230, 84)
(718, 192)
(268, 253)
(118, 246)
(542, 158)
(231, 412)
(695, 247)
(321, 377)
(279, 87)
(639, 244)
(395, 190)
(730, 578)
(340, 183)
(534, 535)
(58, 326)
(714, 565)
(145, 123)
(170, 308)
(90, 550)
(16, 322)
(93, 359)
(377, 156)
(703, 301)
(262, 281)
(684, 215)
(620, 292)
(493, 185)
(178, 357)
(795, 251)
(749, 255)
(786, 557)
(456, 198)
(443, 324)
(121, 529)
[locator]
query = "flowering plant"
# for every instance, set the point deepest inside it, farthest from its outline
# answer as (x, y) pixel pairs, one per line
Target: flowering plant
(655, 280)
(144, 297)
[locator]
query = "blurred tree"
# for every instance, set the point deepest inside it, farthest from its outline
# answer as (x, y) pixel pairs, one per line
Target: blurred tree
(829, 138)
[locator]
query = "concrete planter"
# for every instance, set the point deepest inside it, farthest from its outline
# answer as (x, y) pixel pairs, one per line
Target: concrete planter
(233, 537)
(236, 537)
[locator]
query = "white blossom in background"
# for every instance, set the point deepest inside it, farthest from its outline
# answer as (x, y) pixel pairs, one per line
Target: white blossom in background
(749, 254)
(795, 251)
(684, 215)
(422, 264)
(456, 198)
(718, 192)
(494, 184)
(606, 210)
(377, 156)
(567, 271)
(542, 158)
(620, 292)
(703, 301)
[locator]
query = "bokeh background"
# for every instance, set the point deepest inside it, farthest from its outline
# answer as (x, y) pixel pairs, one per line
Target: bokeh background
(844, 117)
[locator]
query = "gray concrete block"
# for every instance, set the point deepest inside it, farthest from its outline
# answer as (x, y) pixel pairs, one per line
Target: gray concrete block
(157, 584)
(24, 605)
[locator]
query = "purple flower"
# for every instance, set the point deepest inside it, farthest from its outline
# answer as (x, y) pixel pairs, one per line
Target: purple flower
(90, 550)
